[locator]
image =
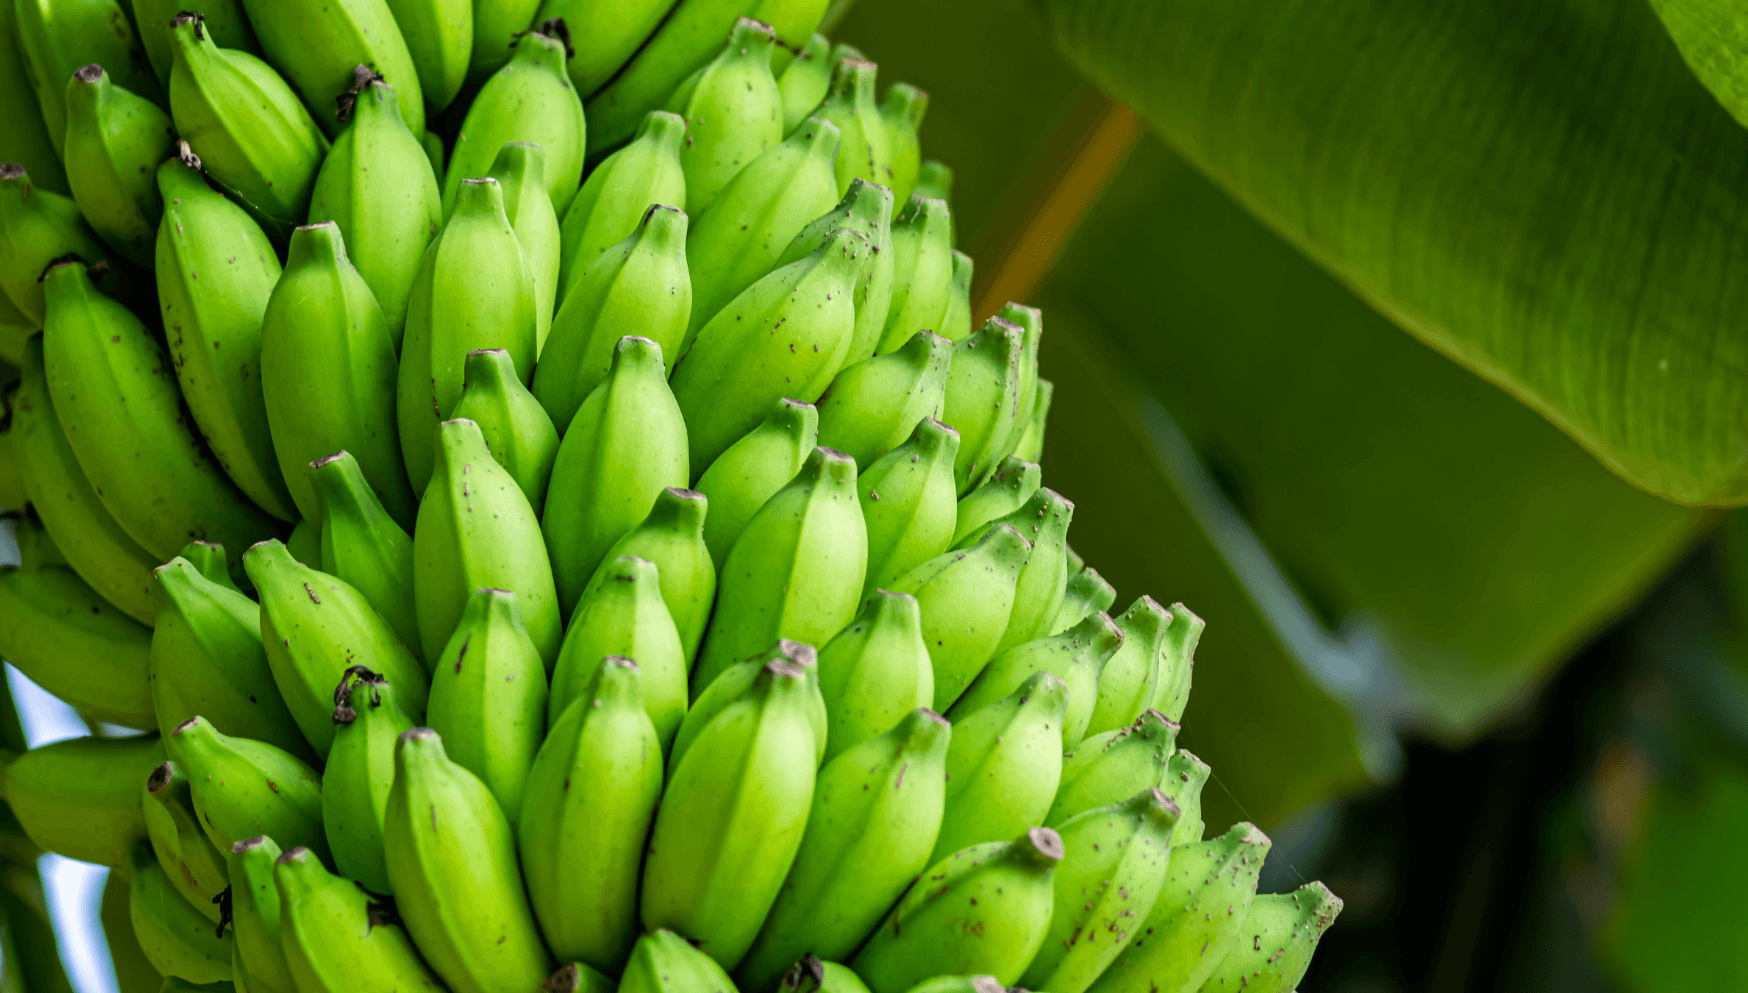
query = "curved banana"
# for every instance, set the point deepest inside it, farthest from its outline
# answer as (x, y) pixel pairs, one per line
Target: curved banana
(177, 938)
(1004, 765)
(717, 856)
(902, 112)
(1031, 321)
(259, 953)
(1185, 776)
(26, 141)
(520, 169)
(476, 529)
(488, 697)
(1086, 593)
(672, 539)
(922, 270)
(496, 27)
(624, 616)
(590, 800)
(866, 150)
(474, 289)
(866, 207)
(55, 38)
(1076, 656)
(439, 37)
(873, 406)
(934, 179)
(1031, 442)
(81, 797)
(1004, 491)
(515, 426)
(734, 683)
(733, 112)
(753, 469)
(114, 140)
(457, 882)
(316, 626)
(1177, 662)
(1038, 596)
(874, 672)
(69, 640)
(223, 19)
(1129, 680)
(1107, 767)
(796, 571)
(359, 774)
(362, 545)
(38, 226)
(529, 99)
(339, 940)
(215, 274)
(664, 962)
(981, 910)
(805, 82)
(956, 319)
(983, 397)
(966, 598)
(318, 43)
(876, 812)
(620, 191)
(378, 184)
(907, 501)
(244, 787)
(195, 868)
(1283, 929)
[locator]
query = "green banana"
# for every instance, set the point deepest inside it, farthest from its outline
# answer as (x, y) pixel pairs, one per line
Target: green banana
(258, 951)
(476, 529)
(626, 443)
(529, 99)
(1114, 873)
(206, 648)
(1283, 929)
(1075, 562)
(956, 319)
(318, 43)
(439, 37)
(983, 386)
(1004, 491)
(244, 787)
(866, 150)
(733, 112)
(753, 469)
(81, 797)
(1031, 321)
(177, 938)
(579, 977)
(876, 812)
(94, 545)
(69, 640)
(874, 672)
(873, 406)
(922, 270)
(1086, 593)
(39, 226)
(1038, 596)
(1197, 919)
(1185, 776)
(305, 542)
(194, 867)
(1129, 680)
(337, 939)
(245, 123)
(672, 538)
(1031, 441)
(515, 426)
(114, 140)
(966, 597)
(810, 975)
(795, 572)
(27, 140)
(902, 112)
(734, 683)
(488, 697)
(1109, 766)
(452, 860)
(664, 962)
(639, 286)
(590, 800)
(314, 627)
(36, 549)
(520, 169)
(377, 183)
(620, 191)
(432, 143)
(934, 179)
(362, 545)
(1075, 656)
(867, 208)
(359, 774)
(1004, 765)
(624, 616)
(56, 37)
(959, 984)
(15, 329)
(1177, 662)
(732, 816)
(756, 217)
(497, 24)
(223, 19)
(805, 82)
(615, 31)
(134, 972)
(215, 273)
(981, 910)
(474, 289)
(907, 501)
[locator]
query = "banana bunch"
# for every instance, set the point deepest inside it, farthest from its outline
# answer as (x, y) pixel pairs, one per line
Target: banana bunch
(530, 471)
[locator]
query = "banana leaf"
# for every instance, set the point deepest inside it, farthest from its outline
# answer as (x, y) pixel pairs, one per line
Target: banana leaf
(1713, 37)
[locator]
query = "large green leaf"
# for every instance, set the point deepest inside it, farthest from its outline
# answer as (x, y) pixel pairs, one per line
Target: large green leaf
(1541, 191)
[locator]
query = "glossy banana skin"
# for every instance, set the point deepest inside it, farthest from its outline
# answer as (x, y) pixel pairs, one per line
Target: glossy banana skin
(672, 539)
(902, 112)
(359, 774)
(1038, 595)
(318, 43)
(733, 112)
(922, 263)
(458, 884)
(1112, 765)
(804, 83)
(362, 544)
(620, 191)
(983, 397)
(55, 38)
(193, 865)
(907, 501)
(873, 406)
(515, 426)
(113, 141)
(336, 938)
(58, 631)
(259, 953)
(590, 800)
(1129, 680)
(81, 797)
(1086, 593)
(1004, 765)
(874, 672)
(37, 226)
(624, 616)
(530, 99)
(1075, 656)
(1177, 662)
(966, 598)
(753, 469)
(1005, 490)
(1283, 929)
(230, 777)
(867, 208)
(177, 938)
(215, 272)
(439, 37)
(866, 151)
(664, 962)
(737, 680)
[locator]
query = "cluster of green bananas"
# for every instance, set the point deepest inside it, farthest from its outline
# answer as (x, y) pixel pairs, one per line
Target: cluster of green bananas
(675, 601)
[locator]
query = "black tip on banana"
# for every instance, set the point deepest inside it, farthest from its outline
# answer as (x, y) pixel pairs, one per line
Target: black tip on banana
(417, 734)
(299, 854)
(160, 778)
(249, 844)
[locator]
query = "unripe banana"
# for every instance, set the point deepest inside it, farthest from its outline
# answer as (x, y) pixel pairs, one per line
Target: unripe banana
(804, 84)
(1113, 875)
(439, 38)
(810, 975)
(515, 426)
(488, 697)
(319, 43)
(664, 962)
(1197, 918)
(497, 24)
(638, 287)
(476, 529)
(786, 336)
(590, 800)
(876, 812)
(520, 169)
(1087, 593)
(907, 501)
(1031, 443)
(134, 972)
(1129, 680)
(339, 940)
(223, 19)
(934, 179)
(867, 144)
(1005, 490)
(432, 143)
(1031, 321)
(732, 816)
(624, 616)
(377, 183)
(69, 640)
(874, 672)
(37, 226)
(966, 597)
(983, 397)
(866, 207)
(1185, 776)
(620, 191)
(873, 406)
(956, 319)
(177, 938)
(362, 545)
(452, 860)
(1005, 764)
(615, 30)
(27, 140)
(15, 328)
(117, 401)
(735, 682)
(1177, 662)
(305, 542)
(626, 443)
(1107, 767)
(1075, 562)
(114, 141)
(1038, 596)
(243, 787)
(245, 123)
(733, 112)
(195, 868)
(259, 952)
(579, 977)
(1075, 656)
(796, 571)
(1283, 930)
(959, 984)
(922, 270)
(359, 774)
(55, 38)
(530, 99)
(982, 910)
(474, 289)
(753, 469)
(902, 112)
(672, 538)
(206, 648)
(215, 273)
(81, 797)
